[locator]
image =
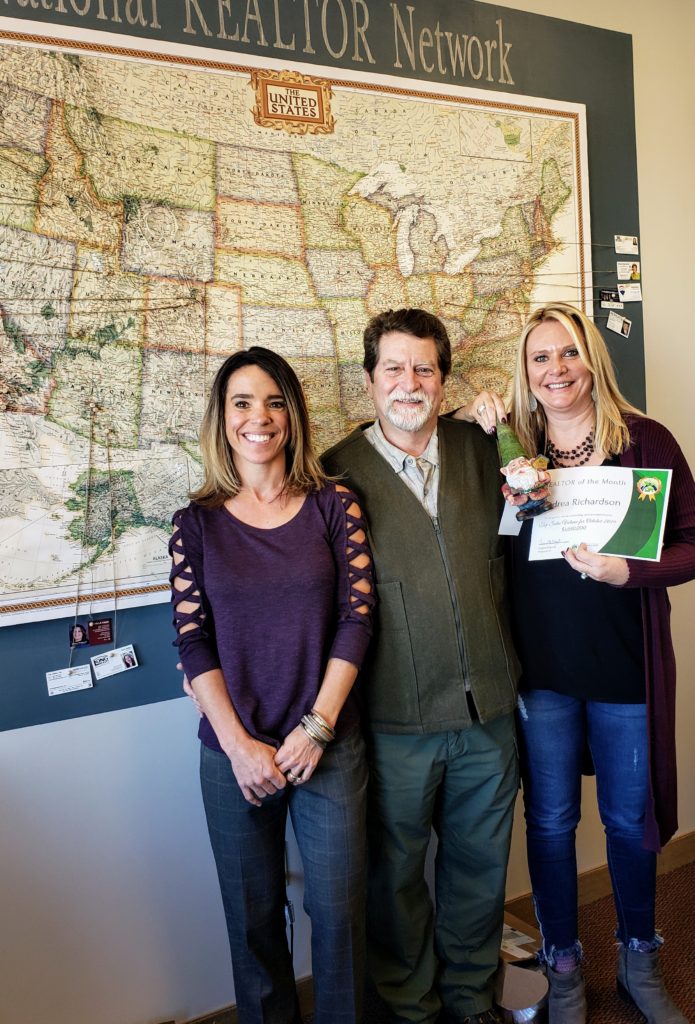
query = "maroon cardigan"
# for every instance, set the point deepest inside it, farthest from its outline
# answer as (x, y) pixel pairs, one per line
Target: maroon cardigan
(653, 447)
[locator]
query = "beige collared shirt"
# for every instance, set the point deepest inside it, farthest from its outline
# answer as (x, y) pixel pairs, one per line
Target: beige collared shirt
(420, 475)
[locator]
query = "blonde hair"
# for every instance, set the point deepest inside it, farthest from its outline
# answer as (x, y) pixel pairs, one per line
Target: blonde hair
(611, 434)
(221, 479)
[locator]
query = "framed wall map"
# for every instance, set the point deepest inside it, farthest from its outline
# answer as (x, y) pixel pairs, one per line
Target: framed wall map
(456, 155)
(151, 226)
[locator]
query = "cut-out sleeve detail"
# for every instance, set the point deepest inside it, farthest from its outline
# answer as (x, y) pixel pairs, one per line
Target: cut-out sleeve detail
(195, 634)
(356, 590)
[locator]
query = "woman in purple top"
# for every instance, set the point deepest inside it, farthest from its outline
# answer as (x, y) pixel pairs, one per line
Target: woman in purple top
(272, 593)
(594, 639)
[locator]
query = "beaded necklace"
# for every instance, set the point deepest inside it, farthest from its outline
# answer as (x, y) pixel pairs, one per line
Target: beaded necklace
(578, 456)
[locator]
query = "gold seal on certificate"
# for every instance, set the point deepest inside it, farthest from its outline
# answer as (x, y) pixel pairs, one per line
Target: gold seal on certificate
(648, 487)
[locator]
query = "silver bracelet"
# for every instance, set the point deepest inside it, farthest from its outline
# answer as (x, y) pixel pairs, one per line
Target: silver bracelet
(322, 722)
(313, 733)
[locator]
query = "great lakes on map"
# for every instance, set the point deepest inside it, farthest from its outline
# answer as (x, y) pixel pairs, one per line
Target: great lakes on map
(149, 228)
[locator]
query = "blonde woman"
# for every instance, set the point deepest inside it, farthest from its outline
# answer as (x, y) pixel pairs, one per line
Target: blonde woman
(593, 636)
(272, 590)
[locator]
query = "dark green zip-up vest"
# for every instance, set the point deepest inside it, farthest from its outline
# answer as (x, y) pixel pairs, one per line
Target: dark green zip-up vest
(416, 671)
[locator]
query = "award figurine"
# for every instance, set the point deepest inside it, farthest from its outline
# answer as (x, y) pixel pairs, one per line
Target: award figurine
(523, 475)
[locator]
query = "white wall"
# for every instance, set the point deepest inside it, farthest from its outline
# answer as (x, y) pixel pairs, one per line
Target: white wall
(663, 38)
(109, 911)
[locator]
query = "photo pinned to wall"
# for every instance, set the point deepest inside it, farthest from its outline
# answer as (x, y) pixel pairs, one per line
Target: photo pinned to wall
(628, 271)
(610, 299)
(627, 245)
(79, 635)
(619, 324)
(129, 659)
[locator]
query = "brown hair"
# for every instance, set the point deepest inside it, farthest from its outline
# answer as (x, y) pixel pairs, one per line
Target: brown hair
(418, 323)
(611, 435)
(221, 479)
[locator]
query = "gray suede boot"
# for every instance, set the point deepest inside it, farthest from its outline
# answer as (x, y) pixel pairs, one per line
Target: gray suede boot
(640, 983)
(566, 998)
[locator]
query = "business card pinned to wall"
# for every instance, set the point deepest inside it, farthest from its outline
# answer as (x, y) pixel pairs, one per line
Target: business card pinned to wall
(121, 659)
(619, 324)
(628, 270)
(65, 680)
(610, 299)
(628, 245)
(100, 631)
(630, 292)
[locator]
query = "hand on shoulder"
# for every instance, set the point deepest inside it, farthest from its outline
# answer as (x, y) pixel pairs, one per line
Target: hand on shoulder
(486, 409)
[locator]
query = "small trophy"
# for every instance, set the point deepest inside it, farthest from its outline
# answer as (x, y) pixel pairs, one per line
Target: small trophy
(522, 473)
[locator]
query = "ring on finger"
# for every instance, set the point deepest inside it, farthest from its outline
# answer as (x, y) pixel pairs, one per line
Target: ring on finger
(582, 576)
(481, 409)
(294, 780)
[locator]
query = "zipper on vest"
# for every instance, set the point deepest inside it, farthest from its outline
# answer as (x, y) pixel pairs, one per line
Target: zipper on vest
(453, 595)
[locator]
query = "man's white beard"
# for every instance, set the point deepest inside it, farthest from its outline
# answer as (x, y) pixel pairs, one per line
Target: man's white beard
(413, 418)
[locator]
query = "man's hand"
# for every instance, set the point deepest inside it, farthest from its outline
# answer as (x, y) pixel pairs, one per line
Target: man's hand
(188, 690)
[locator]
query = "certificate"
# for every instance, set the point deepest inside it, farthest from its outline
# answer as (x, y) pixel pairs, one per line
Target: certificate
(612, 509)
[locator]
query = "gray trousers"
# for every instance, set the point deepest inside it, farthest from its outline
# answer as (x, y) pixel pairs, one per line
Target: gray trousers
(423, 957)
(248, 843)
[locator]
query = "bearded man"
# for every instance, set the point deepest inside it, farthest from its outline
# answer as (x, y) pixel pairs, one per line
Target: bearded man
(440, 682)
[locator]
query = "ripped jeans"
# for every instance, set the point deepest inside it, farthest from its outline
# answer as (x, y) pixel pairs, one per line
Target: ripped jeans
(553, 732)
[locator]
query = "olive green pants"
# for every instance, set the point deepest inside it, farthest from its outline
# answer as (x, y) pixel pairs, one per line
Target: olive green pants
(423, 957)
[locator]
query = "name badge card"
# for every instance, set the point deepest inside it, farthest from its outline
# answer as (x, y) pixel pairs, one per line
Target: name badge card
(100, 631)
(628, 245)
(619, 324)
(610, 299)
(122, 659)
(65, 680)
(630, 292)
(628, 271)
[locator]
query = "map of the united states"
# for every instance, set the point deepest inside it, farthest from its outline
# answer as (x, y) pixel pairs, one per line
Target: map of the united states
(149, 227)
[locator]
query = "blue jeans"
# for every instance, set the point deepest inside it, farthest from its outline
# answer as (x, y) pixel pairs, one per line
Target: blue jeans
(328, 817)
(554, 730)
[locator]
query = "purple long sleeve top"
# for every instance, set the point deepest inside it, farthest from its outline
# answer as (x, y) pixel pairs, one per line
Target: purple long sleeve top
(271, 607)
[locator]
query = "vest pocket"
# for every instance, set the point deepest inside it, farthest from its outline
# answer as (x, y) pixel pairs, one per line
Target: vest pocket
(391, 681)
